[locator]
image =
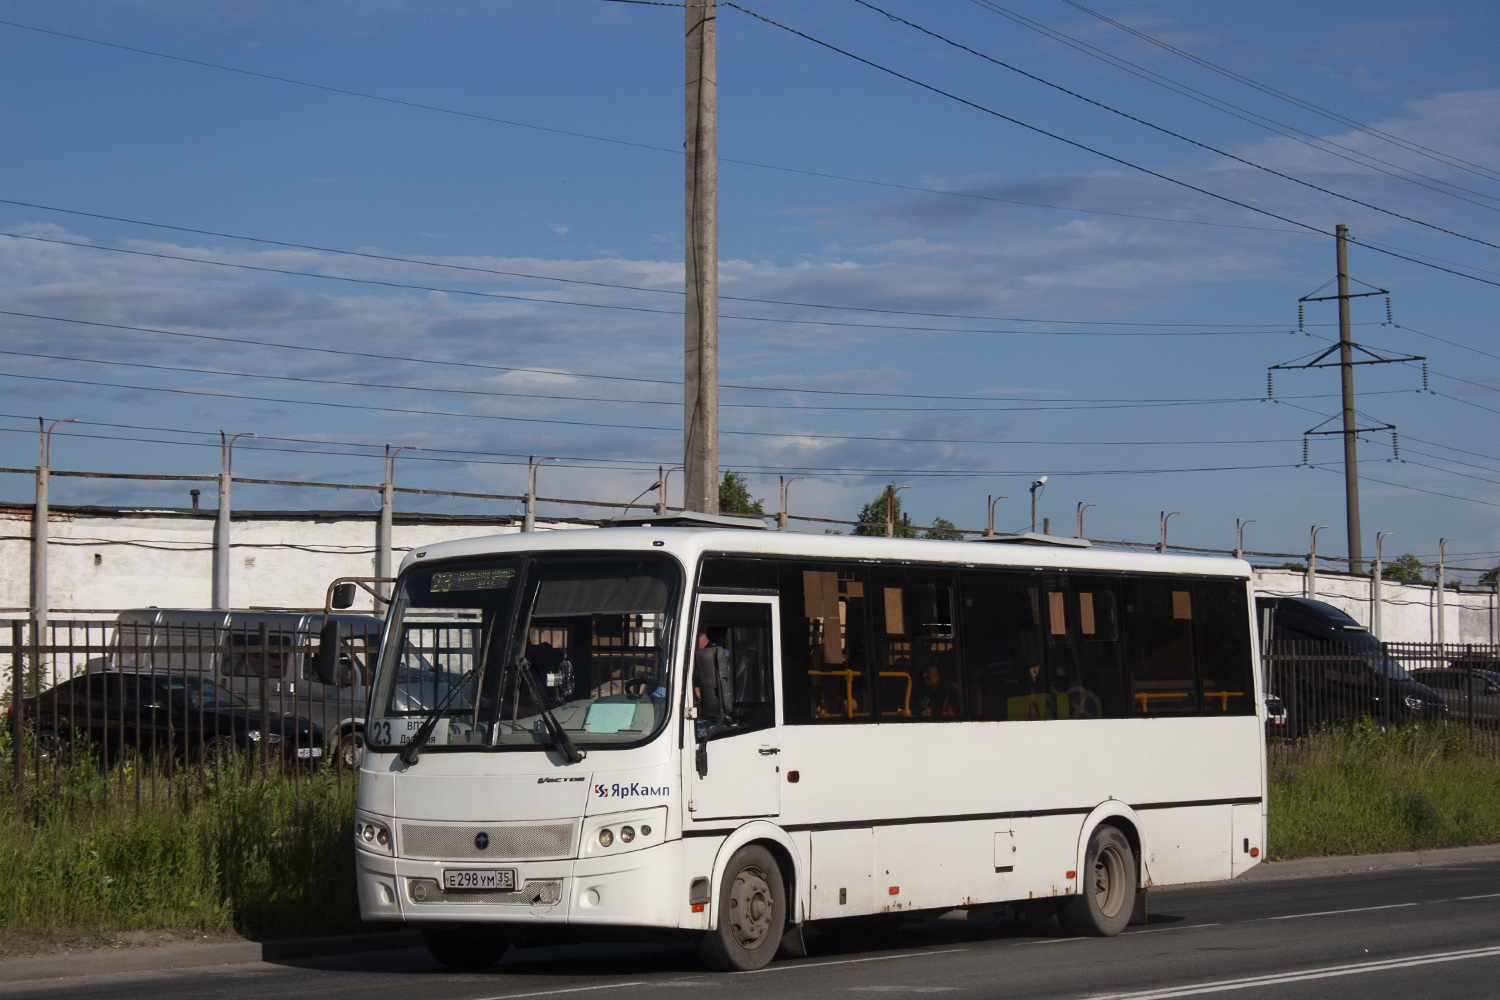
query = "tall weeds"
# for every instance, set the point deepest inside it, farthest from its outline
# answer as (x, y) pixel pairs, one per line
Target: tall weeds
(234, 849)
(1361, 790)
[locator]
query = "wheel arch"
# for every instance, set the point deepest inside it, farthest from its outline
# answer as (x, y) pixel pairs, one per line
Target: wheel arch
(1113, 812)
(774, 839)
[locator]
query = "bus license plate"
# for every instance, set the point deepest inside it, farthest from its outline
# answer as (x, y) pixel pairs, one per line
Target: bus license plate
(503, 879)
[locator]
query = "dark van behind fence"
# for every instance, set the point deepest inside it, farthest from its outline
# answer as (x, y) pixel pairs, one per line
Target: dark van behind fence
(159, 695)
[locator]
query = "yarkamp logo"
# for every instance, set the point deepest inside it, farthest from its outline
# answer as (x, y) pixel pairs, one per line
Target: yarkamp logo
(553, 781)
(632, 790)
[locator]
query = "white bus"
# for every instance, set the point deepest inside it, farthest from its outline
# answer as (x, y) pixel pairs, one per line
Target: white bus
(664, 730)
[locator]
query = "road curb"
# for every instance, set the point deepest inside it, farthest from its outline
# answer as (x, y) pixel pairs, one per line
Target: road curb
(198, 956)
(1307, 867)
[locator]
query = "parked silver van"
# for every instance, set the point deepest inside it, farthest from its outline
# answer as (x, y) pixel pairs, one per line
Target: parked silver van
(270, 659)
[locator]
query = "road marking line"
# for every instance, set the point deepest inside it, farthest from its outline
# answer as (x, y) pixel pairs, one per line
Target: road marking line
(1327, 972)
(1330, 913)
(571, 989)
(845, 961)
(1488, 895)
(1180, 927)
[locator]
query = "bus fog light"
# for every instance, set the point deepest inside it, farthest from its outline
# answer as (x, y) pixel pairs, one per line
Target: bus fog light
(382, 838)
(367, 831)
(645, 830)
(627, 833)
(606, 837)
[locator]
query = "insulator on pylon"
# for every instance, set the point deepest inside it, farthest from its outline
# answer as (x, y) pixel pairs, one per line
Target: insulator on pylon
(1270, 386)
(1424, 376)
(1388, 310)
(1396, 445)
(1304, 449)
(1299, 318)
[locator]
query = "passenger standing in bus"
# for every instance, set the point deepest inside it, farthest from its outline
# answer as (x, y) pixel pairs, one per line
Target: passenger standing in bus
(939, 698)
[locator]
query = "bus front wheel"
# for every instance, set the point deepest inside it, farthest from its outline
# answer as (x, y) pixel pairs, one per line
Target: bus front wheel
(752, 914)
(1103, 907)
(465, 946)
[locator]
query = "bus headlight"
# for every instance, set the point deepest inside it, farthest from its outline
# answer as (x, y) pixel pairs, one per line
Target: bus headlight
(372, 835)
(621, 832)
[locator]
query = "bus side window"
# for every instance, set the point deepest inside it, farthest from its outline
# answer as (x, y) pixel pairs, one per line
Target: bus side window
(1224, 664)
(825, 660)
(916, 661)
(1158, 626)
(743, 633)
(1083, 648)
(1002, 646)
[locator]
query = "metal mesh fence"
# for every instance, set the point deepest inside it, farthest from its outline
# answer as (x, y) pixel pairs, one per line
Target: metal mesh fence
(136, 713)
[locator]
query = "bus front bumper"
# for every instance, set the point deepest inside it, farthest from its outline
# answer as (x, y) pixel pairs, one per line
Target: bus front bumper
(634, 889)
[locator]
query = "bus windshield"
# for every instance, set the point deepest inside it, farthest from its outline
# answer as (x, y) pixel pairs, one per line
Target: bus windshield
(493, 645)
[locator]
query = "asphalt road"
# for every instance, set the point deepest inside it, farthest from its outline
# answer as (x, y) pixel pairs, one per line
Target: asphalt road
(1413, 932)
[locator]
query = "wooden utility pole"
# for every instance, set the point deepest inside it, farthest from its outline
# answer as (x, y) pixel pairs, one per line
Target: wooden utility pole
(1351, 438)
(701, 245)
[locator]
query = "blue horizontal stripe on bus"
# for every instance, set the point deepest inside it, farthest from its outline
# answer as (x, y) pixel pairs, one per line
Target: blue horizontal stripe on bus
(970, 817)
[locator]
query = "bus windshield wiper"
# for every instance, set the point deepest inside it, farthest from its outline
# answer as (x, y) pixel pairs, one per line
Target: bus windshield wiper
(419, 739)
(560, 738)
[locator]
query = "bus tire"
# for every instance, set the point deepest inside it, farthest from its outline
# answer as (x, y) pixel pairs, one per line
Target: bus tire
(465, 946)
(752, 914)
(1104, 906)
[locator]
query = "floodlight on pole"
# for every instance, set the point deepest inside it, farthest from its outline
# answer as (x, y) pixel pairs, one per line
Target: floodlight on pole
(1035, 488)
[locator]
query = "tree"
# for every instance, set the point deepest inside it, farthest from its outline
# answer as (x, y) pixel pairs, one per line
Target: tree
(942, 530)
(1491, 578)
(873, 514)
(1405, 569)
(735, 498)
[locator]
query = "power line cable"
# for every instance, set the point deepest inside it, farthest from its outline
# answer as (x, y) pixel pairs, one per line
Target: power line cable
(539, 300)
(1410, 145)
(1309, 139)
(614, 285)
(1082, 146)
(619, 142)
(1166, 131)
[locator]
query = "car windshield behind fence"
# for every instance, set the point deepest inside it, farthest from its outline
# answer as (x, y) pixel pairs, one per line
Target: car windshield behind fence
(492, 645)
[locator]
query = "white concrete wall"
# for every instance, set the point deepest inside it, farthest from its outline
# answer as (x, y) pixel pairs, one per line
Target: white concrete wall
(103, 560)
(1408, 610)
(100, 563)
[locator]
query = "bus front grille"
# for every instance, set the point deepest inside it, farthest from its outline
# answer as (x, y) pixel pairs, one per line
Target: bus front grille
(503, 842)
(534, 892)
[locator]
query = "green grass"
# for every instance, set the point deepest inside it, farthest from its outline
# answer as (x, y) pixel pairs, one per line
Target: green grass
(234, 851)
(1363, 791)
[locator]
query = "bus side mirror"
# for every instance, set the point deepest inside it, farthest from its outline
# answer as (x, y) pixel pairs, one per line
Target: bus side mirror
(330, 645)
(343, 596)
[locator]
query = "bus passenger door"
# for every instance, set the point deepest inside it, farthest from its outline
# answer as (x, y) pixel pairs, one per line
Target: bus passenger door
(734, 746)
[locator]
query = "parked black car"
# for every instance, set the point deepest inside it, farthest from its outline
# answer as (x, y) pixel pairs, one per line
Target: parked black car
(1471, 688)
(184, 715)
(1327, 668)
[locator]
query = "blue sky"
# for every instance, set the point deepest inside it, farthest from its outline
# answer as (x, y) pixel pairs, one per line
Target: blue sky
(1123, 333)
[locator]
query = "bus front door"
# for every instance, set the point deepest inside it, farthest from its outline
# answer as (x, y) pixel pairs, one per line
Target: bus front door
(735, 750)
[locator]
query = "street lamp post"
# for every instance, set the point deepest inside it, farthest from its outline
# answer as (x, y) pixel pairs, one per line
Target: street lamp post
(1081, 508)
(1375, 583)
(1239, 536)
(989, 525)
(384, 556)
(890, 522)
(1442, 585)
(661, 498)
(221, 523)
(1035, 487)
(41, 528)
(1312, 561)
(786, 484)
(528, 521)
(1161, 546)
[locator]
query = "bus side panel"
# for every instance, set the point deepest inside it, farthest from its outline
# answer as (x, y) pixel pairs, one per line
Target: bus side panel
(1190, 843)
(843, 873)
(1046, 849)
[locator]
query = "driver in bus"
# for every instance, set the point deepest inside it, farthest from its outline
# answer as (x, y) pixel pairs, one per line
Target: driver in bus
(713, 687)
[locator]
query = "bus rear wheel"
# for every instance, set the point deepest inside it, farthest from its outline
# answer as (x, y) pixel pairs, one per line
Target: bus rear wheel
(1104, 906)
(752, 914)
(465, 946)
